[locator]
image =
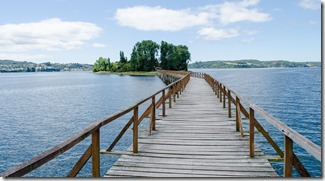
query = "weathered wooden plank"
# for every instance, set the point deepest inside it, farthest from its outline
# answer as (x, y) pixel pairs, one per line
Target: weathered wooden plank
(193, 172)
(243, 161)
(214, 168)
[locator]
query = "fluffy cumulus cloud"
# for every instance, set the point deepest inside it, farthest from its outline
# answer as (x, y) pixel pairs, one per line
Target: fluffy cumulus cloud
(205, 18)
(233, 12)
(158, 18)
(310, 4)
(50, 34)
(217, 34)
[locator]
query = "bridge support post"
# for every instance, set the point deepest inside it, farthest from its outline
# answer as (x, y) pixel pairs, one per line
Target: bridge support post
(288, 156)
(251, 132)
(95, 153)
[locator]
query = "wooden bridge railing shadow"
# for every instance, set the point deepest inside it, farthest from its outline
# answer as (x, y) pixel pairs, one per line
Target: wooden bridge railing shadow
(223, 92)
(171, 91)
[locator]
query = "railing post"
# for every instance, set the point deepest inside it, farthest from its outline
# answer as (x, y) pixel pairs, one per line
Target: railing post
(95, 153)
(163, 103)
(251, 132)
(153, 113)
(288, 157)
(135, 129)
(229, 103)
(174, 92)
(220, 90)
(177, 89)
(217, 89)
(180, 87)
(237, 115)
(170, 97)
(224, 97)
(213, 87)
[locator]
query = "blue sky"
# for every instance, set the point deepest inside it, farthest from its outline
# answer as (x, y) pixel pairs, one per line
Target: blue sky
(82, 30)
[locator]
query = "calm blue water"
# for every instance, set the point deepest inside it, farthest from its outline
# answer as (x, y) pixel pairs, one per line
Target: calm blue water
(292, 95)
(41, 110)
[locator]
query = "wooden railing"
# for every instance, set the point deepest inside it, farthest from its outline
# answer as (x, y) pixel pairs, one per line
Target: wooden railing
(223, 92)
(170, 92)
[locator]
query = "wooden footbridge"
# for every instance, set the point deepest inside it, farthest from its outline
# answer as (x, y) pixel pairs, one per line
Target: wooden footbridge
(195, 130)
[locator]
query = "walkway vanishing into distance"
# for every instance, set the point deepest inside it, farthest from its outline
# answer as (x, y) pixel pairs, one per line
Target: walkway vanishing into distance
(199, 133)
(195, 139)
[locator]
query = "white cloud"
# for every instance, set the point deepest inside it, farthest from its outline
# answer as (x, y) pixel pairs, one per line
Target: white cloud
(158, 18)
(217, 34)
(50, 34)
(98, 45)
(231, 12)
(310, 4)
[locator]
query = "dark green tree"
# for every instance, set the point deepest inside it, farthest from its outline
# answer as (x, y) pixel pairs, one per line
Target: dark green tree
(166, 52)
(102, 64)
(144, 56)
(184, 56)
(174, 57)
(123, 59)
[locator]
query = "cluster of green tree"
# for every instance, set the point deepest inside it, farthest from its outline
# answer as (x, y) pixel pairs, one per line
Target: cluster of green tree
(252, 64)
(146, 56)
(23, 66)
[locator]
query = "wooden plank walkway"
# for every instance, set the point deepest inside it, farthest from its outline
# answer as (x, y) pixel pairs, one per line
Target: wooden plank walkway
(195, 139)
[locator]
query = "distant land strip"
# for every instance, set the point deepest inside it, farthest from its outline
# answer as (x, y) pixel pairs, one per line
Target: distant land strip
(251, 64)
(23, 66)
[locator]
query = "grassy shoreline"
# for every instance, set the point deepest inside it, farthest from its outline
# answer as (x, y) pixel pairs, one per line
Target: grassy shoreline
(134, 73)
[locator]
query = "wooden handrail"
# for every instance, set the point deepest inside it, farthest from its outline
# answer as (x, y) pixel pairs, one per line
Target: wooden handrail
(290, 135)
(306, 144)
(94, 130)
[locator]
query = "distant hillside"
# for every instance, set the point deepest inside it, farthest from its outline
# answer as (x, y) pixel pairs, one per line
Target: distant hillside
(17, 66)
(251, 64)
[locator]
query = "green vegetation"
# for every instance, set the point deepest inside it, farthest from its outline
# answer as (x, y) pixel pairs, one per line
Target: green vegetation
(135, 73)
(145, 58)
(252, 64)
(18, 66)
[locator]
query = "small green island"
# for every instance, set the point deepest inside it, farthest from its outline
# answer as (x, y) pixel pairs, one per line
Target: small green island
(146, 56)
